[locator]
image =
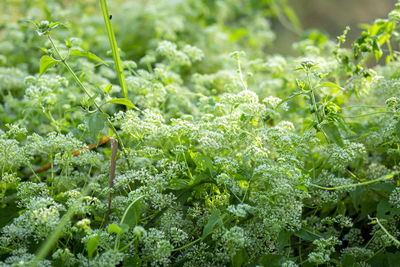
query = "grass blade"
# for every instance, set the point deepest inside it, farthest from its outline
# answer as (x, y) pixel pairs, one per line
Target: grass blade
(114, 48)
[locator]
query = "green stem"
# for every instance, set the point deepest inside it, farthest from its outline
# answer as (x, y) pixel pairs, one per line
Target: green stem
(386, 177)
(241, 75)
(83, 87)
(114, 48)
(313, 98)
(397, 242)
(187, 245)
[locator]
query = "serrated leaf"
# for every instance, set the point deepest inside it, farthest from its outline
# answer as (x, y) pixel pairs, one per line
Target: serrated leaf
(122, 101)
(87, 54)
(215, 218)
(46, 62)
(132, 213)
(114, 228)
(92, 246)
(95, 123)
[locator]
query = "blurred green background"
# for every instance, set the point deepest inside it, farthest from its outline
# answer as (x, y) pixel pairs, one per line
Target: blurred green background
(328, 16)
(331, 17)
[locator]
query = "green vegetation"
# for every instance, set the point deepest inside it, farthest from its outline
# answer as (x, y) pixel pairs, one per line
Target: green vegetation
(165, 135)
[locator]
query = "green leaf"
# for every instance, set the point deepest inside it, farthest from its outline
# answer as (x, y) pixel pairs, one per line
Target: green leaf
(302, 187)
(122, 101)
(95, 123)
(68, 43)
(46, 62)
(272, 260)
(107, 89)
(114, 228)
(332, 132)
(240, 258)
(307, 235)
(376, 48)
(215, 218)
(385, 210)
(397, 128)
(132, 213)
(202, 162)
(92, 246)
(291, 15)
(329, 84)
(87, 54)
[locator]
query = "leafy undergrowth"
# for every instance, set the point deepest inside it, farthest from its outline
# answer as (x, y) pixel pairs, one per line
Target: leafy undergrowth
(225, 158)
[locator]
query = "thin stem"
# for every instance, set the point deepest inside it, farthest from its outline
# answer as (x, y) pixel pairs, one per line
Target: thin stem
(114, 151)
(83, 87)
(128, 245)
(187, 245)
(52, 239)
(241, 75)
(397, 242)
(386, 177)
(313, 98)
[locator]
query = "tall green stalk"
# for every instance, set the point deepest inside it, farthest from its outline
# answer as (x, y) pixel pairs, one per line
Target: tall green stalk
(114, 48)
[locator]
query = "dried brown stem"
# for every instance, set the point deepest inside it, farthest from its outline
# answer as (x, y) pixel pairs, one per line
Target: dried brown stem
(114, 151)
(91, 146)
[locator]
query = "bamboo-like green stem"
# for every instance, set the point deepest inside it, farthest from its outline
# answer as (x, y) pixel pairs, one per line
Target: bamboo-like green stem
(114, 48)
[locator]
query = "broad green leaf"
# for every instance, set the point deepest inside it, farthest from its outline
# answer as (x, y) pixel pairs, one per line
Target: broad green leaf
(122, 101)
(87, 54)
(92, 246)
(332, 131)
(215, 218)
(46, 62)
(95, 123)
(272, 260)
(132, 213)
(202, 162)
(241, 257)
(124, 227)
(114, 228)
(385, 210)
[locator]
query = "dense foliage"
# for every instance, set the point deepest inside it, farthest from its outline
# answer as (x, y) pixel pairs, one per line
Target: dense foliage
(228, 156)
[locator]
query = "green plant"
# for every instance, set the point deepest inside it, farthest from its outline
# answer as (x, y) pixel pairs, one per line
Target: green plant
(227, 159)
